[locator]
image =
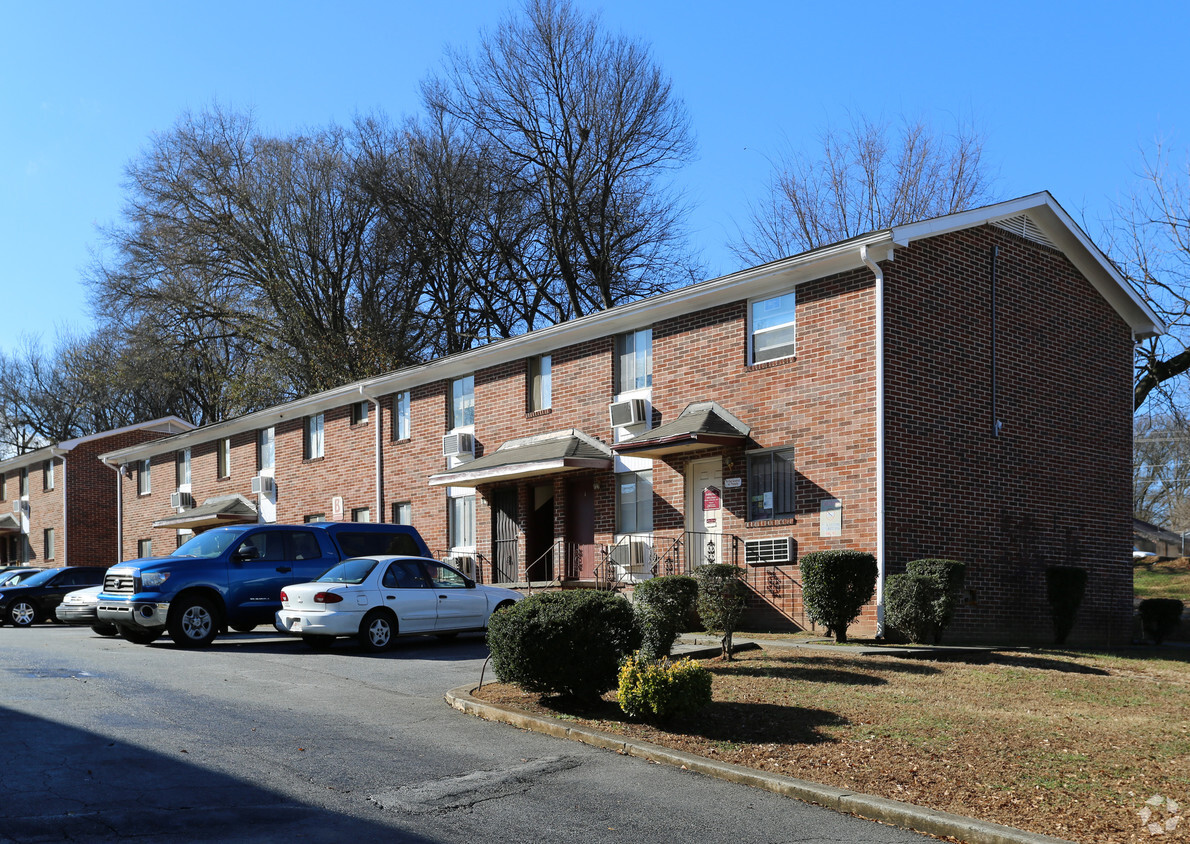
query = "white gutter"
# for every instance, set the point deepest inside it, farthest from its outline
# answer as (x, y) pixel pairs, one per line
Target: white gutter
(379, 456)
(875, 268)
(119, 507)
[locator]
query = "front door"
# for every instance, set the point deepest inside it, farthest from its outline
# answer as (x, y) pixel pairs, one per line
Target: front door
(704, 512)
(580, 528)
(504, 535)
(539, 539)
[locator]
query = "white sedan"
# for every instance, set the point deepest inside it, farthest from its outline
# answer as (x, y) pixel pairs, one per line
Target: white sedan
(378, 598)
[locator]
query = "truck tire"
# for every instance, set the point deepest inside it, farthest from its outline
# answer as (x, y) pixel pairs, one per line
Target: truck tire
(193, 623)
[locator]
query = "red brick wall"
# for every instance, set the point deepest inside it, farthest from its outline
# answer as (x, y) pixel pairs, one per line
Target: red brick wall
(1054, 487)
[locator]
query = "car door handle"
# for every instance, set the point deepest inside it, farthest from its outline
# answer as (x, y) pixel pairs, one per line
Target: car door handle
(390, 597)
(284, 569)
(443, 597)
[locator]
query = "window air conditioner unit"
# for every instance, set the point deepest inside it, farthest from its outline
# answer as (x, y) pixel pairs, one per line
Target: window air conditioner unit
(181, 499)
(464, 564)
(758, 551)
(625, 413)
(457, 445)
(262, 484)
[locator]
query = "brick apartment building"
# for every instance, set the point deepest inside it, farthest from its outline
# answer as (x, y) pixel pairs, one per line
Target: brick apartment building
(56, 503)
(957, 387)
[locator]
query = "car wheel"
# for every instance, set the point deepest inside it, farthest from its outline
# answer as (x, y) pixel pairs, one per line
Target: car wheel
(22, 613)
(137, 635)
(102, 628)
(192, 623)
(243, 628)
(318, 643)
(377, 632)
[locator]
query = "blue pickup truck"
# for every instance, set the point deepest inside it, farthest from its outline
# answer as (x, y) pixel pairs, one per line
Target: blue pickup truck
(232, 577)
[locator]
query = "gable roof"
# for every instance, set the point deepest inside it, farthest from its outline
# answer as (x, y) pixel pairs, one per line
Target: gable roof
(1042, 211)
(164, 425)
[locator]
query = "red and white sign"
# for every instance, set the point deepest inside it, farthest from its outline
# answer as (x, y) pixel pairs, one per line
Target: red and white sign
(712, 498)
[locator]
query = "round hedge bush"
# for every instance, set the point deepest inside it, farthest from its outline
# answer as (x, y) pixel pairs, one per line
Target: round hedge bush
(662, 605)
(836, 585)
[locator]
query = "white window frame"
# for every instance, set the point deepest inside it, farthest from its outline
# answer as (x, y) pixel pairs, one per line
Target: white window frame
(266, 449)
(47, 475)
(182, 465)
(634, 351)
(144, 477)
(403, 426)
(315, 439)
(47, 539)
(359, 412)
(541, 383)
(460, 522)
(223, 458)
(757, 489)
(402, 512)
(144, 547)
(361, 514)
(777, 304)
(462, 402)
(640, 499)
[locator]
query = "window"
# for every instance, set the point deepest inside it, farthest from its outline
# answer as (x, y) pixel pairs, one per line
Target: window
(24, 483)
(144, 548)
(314, 517)
(182, 468)
(359, 412)
(540, 383)
(772, 485)
(361, 514)
(402, 513)
(313, 440)
(223, 458)
(266, 449)
(404, 574)
(402, 420)
(144, 478)
(773, 327)
(183, 537)
(461, 521)
(634, 360)
(463, 401)
(3, 487)
(47, 475)
(48, 538)
(634, 502)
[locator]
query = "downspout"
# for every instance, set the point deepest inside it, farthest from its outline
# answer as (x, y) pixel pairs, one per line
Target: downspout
(379, 457)
(119, 508)
(880, 528)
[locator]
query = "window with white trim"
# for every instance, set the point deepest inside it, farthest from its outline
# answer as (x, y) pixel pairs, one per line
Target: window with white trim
(402, 512)
(24, 483)
(634, 360)
(403, 419)
(266, 449)
(182, 468)
(540, 383)
(461, 521)
(314, 437)
(361, 514)
(48, 539)
(359, 412)
(144, 548)
(144, 478)
(462, 402)
(773, 327)
(223, 458)
(772, 484)
(634, 502)
(47, 475)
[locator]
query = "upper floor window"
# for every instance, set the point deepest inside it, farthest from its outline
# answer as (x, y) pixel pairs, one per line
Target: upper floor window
(402, 417)
(773, 328)
(3, 487)
(634, 360)
(24, 483)
(313, 440)
(462, 402)
(144, 480)
(266, 449)
(540, 383)
(772, 484)
(47, 475)
(634, 502)
(223, 458)
(359, 412)
(48, 541)
(182, 467)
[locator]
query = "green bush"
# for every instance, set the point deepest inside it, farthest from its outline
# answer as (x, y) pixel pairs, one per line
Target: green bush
(663, 690)
(948, 575)
(722, 598)
(662, 605)
(1159, 617)
(835, 587)
(951, 574)
(563, 643)
(916, 606)
(1064, 589)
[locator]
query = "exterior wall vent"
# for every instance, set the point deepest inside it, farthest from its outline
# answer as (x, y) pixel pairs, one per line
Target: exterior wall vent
(181, 499)
(262, 484)
(1023, 225)
(458, 445)
(759, 551)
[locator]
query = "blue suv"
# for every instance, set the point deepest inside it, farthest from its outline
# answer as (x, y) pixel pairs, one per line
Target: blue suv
(232, 577)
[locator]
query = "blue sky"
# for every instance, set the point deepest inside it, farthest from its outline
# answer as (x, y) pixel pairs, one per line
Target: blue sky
(1069, 95)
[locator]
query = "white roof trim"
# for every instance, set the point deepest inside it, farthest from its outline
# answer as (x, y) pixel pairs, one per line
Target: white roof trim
(164, 425)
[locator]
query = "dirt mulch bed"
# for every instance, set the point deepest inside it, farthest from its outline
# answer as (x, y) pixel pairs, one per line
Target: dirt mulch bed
(1060, 743)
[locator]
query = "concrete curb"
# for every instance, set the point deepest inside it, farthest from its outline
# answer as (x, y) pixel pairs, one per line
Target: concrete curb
(892, 812)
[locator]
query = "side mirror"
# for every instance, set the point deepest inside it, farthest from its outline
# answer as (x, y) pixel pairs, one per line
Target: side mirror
(245, 553)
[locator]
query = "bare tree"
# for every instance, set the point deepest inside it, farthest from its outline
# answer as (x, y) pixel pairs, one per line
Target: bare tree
(868, 177)
(586, 125)
(1149, 239)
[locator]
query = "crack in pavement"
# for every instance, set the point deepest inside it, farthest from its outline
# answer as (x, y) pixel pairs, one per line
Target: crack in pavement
(466, 790)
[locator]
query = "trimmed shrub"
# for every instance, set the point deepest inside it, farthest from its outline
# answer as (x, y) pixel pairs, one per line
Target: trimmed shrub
(663, 690)
(1159, 617)
(1064, 589)
(949, 576)
(916, 606)
(835, 587)
(721, 600)
(662, 605)
(563, 643)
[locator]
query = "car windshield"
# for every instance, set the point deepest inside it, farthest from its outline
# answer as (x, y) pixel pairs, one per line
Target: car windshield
(39, 578)
(207, 546)
(14, 577)
(349, 571)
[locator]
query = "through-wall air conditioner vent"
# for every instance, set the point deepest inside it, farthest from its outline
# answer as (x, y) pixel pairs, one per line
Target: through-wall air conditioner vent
(464, 564)
(181, 499)
(262, 484)
(457, 445)
(625, 413)
(757, 551)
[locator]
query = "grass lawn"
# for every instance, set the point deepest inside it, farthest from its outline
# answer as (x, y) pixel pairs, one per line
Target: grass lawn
(1162, 580)
(1058, 742)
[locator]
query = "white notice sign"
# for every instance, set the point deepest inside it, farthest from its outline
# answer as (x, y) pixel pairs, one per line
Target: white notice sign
(830, 521)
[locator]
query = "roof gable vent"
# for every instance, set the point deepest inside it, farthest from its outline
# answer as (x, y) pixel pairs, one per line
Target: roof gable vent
(1023, 225)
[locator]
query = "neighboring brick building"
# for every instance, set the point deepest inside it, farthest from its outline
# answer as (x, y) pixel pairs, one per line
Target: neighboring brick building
(57, 503)
(957, 387)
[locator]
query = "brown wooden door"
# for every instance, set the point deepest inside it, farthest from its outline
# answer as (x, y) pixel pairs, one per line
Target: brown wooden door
(580, 528)
(504, 535)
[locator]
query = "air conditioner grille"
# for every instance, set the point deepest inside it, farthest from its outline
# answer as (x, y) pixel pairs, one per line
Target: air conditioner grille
(778, 550)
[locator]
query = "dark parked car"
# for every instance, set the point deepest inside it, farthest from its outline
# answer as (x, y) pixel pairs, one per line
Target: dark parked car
(35, 599)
